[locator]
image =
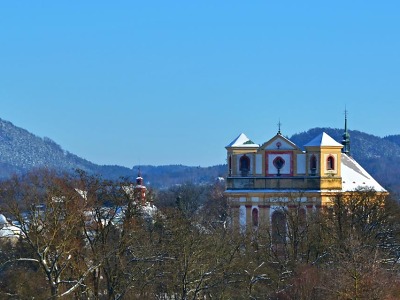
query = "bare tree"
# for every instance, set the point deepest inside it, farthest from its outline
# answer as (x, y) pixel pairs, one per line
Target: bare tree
(49, 212)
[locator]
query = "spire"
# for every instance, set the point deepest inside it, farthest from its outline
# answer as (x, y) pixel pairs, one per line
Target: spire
(346, 136)
(279, 127)
(139, 178)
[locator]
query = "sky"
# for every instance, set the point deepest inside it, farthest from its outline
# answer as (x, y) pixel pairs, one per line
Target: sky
(173, 82)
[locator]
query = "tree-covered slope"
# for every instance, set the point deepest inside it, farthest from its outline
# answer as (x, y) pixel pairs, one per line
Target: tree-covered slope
(22, 151)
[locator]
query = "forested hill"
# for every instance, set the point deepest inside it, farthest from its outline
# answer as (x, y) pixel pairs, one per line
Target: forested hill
(379, 156)
(22, 151)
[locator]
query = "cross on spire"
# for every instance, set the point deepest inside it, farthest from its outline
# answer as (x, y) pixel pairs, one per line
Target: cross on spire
(346, 135)
(279, 126)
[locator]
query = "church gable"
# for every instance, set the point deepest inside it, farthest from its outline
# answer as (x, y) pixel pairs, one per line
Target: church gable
(279, 142)
(279, 156)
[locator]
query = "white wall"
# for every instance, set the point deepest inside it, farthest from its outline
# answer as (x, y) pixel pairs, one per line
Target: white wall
(285, 169)
(301, 164)
(258, 164)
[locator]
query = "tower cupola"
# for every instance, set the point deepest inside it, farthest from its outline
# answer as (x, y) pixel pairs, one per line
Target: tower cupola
(139, 179)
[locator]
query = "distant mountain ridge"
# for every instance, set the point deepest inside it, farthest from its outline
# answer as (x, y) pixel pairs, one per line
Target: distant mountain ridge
(22, 151)
(379, 156)
(363, 145)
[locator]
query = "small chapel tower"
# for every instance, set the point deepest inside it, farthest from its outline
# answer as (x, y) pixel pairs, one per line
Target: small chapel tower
(140, 190)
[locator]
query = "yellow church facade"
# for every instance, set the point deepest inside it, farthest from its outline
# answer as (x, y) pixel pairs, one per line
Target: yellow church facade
(265, 179)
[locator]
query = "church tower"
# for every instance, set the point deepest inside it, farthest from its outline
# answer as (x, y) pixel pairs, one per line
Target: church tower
(140, 190)
(327, 165)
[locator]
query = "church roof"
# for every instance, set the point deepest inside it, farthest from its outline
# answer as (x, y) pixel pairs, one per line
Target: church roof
(323, 139)
(242, 141)
(354, 176)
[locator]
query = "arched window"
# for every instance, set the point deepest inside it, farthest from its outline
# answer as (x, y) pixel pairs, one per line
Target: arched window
(313, 164)
(254, 216)
(278, 224)
(244, 165)
(330, 163)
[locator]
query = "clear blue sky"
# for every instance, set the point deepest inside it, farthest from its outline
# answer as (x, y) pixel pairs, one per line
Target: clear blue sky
(173, 82)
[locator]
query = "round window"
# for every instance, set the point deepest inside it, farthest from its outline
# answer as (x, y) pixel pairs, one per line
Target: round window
(279, 162)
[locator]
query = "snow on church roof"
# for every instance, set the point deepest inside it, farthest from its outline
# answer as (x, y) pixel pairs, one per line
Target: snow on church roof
(242, 141)
(323, 139)
(354, 176)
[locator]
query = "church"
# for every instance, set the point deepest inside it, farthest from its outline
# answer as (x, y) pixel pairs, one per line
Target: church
(265, 179)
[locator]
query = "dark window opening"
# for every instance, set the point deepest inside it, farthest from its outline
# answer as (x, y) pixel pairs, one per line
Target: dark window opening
(244, 165)
(254, 216)
(313, 165)
(279, 230)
